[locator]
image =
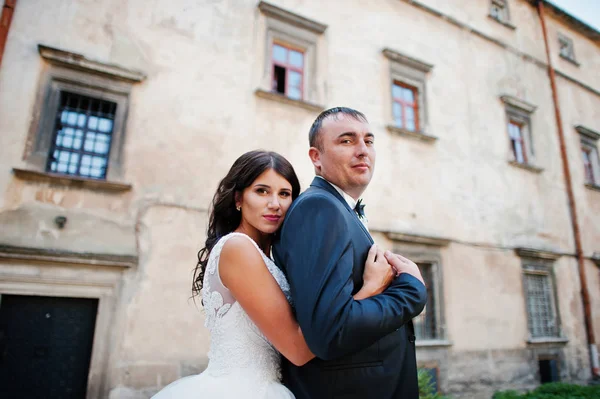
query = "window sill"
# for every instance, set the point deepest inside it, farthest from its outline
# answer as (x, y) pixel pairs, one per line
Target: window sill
(505, 23)
(547, 341)
(528, 167)
(269, 95)
(71, 181)
(413, 135)
(592, 186)
(433, 343)
(571, 60)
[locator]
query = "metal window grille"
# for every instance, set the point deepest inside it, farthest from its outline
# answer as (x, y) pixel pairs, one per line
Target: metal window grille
(427, 323)
(82, 136)
(405, 106)
(288, 71)
(541, 313)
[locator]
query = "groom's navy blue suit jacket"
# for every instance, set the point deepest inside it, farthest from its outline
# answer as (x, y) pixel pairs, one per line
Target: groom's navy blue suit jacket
(364, 349)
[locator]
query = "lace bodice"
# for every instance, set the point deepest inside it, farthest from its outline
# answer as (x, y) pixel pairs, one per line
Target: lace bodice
(237, 346)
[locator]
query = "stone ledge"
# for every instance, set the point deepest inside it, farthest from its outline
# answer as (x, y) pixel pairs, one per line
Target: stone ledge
(269, 95)
(529, 167)
(71, 181)
(413, 135)
(433, 343)
(66, 257)
(537, 253)
(594, 187)
(518, 103)
(547, 341)
(507, 24)
(403, 59)
(417, 239)
(587, 132)
(78, 61)
(570, 60)
(273, 11)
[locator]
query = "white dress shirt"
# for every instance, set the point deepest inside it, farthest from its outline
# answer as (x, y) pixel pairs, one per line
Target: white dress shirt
(349, 200)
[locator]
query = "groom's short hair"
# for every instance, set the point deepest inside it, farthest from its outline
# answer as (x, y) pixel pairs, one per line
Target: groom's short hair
(313, 135)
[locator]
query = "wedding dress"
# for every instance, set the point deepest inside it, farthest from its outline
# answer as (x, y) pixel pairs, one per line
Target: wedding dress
(242, 362)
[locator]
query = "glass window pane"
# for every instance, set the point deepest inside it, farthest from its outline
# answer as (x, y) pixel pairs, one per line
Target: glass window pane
(81, 120)
(295, 79)
(93, 122)
(279, 53)
(396, 91)
(294, 92)
(105, 125)
(72, 118)
(397, 110)
(410, 118)
(518, 151)
(408, 95)
(296, 58)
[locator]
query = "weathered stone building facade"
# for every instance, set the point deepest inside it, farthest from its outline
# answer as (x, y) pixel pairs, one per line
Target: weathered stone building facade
(118, 118)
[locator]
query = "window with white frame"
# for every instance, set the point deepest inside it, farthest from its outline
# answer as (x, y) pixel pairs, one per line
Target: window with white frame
(291, 69)
(589, 154)
(408, 95)
(519, 130)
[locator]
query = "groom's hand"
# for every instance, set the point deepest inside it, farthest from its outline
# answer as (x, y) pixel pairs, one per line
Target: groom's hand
(404, 265)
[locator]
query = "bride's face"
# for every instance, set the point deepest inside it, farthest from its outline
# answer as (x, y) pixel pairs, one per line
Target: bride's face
(265, 202)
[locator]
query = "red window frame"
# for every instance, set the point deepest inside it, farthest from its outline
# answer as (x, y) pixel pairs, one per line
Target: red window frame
(288, 67)
(588, 167)
(407, 104)
(520, 139)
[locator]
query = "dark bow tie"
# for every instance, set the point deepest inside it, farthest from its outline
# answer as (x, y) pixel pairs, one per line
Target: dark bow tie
(360, 209)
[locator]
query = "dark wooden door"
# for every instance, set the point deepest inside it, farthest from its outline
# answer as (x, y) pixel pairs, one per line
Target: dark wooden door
(45, 346)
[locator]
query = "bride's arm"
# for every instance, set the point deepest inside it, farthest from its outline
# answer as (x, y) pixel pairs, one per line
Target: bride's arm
(244, 273)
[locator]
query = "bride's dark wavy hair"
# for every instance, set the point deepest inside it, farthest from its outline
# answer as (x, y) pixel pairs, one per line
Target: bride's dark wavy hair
(224, 217)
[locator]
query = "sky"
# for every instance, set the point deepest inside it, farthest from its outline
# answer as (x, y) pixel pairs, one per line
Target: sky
(587, 11)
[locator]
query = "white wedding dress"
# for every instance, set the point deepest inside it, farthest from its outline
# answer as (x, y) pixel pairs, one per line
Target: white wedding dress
(242, 363)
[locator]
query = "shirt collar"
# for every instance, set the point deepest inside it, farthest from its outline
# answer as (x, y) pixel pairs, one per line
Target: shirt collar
(351, 201)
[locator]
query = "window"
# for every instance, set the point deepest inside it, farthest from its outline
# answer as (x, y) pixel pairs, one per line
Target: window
(408, 84)
(292, 73)
(288, 71)
(519, 131)
(405, 106)
(566, 48)
(516, 134)
(79, 129)
(589, 155)
(426, 324)
(499, 11)
(542, 314)
(82, 136)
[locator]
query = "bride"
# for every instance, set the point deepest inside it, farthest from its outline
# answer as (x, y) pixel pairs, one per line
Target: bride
(245, 295)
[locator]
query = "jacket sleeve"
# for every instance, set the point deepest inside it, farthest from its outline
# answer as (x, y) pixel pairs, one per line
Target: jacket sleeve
(316, 251)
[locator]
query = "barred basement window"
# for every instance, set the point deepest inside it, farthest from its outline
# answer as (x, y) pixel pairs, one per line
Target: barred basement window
(542, 315)
(82, 136)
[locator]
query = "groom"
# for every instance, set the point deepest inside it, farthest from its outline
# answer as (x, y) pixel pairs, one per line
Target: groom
(364, 349)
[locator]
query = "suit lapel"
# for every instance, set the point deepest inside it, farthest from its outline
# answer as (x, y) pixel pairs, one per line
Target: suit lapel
(325, 185)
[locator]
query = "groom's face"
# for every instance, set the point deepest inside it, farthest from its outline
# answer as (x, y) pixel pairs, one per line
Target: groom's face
(347, 154)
